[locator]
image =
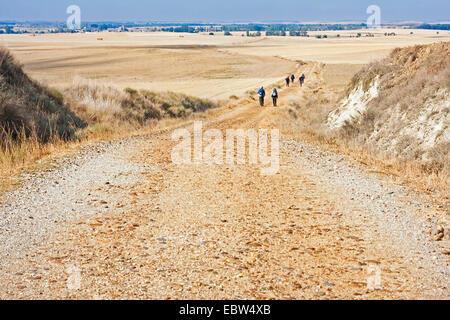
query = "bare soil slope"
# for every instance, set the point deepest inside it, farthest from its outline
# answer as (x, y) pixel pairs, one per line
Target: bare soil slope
(401, 106)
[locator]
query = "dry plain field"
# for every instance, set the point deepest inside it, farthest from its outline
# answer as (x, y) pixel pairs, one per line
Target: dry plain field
(197, 64)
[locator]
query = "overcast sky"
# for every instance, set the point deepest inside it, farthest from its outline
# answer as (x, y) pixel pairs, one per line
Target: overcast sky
(226, 10)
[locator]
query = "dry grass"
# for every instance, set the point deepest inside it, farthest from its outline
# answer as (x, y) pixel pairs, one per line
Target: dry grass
(422, 176)
(100, 103)
(18, 155)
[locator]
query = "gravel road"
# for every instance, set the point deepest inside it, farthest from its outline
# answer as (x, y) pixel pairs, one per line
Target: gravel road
(120, 220)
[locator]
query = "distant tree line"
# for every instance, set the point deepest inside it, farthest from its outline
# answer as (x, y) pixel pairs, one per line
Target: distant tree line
(252, 30)
(254, 34)
(277, 29)
(243, 27)
(435, 26)
(298, 34)
(277, 33)
(314, 27)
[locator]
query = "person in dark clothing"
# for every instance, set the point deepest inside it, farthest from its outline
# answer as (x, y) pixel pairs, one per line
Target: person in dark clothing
(274, 97)
(262, 94)
(287, 81)
(302, 80)
(292, 78)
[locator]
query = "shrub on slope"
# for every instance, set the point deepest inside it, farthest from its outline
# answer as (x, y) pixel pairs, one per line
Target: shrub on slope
(27, 107)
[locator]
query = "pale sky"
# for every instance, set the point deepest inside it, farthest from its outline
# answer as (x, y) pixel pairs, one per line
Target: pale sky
(226, 10)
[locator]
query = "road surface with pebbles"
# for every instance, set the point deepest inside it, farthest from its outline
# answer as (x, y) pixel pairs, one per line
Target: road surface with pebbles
(119, 220)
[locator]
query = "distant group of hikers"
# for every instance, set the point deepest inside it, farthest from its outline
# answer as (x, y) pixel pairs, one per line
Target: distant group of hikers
(289, 80)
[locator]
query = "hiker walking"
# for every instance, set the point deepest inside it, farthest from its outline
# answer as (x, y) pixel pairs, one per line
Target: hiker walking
(292, 78)
(287, 81)
(262, 94)
(302, 80)
(274, 96)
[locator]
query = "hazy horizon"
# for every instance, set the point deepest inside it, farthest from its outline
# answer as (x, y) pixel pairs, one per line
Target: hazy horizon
(232, 11)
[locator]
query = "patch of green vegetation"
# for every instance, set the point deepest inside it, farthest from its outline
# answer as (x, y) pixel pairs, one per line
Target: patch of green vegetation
(58, 96)
(97, 77)
(131, 91)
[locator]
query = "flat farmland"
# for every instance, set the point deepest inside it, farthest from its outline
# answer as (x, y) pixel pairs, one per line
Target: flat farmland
(197, 64)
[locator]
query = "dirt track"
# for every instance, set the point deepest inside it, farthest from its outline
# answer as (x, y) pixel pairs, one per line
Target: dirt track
(147, 228)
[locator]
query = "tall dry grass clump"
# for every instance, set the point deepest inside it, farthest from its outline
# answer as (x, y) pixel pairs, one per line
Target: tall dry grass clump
(97, 102)
(98, 99)
(100, 106)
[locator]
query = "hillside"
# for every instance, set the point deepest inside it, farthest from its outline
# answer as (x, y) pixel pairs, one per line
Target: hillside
(400, 106)
(25, 104)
